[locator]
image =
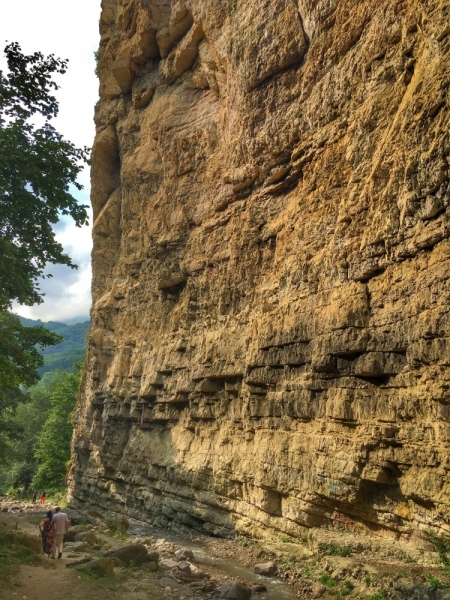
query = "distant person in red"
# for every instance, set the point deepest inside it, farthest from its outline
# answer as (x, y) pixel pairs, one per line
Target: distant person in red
(43, 497)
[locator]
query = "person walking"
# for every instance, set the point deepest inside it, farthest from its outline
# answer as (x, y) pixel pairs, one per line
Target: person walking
(61, 527)
(47, 529)
(42, 498)
(34, 496)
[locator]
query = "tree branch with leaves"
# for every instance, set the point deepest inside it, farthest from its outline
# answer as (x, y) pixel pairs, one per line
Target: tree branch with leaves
(38, 167)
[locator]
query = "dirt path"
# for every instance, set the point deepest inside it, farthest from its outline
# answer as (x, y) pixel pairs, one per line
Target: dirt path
(51, 580)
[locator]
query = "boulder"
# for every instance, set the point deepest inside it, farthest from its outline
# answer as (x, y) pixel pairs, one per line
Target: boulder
(81, 547)
(151, 566)
(117, 562)
(86, 536)
(184, 566)
(259, 588)
(233, 590)
(184, 554)
(102, 567)
(187, 572)
(168, 564)
(318, 590)
(267, 569)
(80, 561)
(168, 582)
(134, 553)
(74, 531)
(153, 557)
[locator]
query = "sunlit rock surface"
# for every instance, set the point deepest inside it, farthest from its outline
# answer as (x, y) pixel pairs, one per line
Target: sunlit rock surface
(269, 348)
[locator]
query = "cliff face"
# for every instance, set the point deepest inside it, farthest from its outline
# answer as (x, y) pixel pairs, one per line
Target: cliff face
(269, 348)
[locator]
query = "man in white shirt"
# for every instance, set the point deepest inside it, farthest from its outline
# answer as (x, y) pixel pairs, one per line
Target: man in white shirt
(61, 527)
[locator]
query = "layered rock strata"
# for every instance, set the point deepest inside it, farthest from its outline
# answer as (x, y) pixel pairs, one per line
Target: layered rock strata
(269, 348)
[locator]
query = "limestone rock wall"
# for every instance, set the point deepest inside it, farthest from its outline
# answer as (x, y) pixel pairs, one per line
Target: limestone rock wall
(269, 348)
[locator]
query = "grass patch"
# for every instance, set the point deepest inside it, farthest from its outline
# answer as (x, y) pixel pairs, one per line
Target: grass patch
(400, 573)
(286, 539)
(434, 582)
(381, 595)
(328, 581)
(346, 589)
(335, 550)
(442, 547)
(402, 555)
(15, 550)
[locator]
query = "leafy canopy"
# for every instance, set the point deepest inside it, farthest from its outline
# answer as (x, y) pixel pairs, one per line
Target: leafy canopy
(53, 447)
(19, 356)
(40, 448)
(19, 361)
(37, 168)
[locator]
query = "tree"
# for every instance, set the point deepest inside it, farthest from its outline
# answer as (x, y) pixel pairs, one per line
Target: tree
(53, 449)
(40, 447)
(19, 361)
(17, 458)
(37, 168)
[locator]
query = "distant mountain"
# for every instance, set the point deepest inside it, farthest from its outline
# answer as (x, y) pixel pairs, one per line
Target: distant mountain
(68, 352)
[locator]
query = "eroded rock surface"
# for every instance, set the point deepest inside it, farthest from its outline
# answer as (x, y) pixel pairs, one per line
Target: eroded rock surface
(269, 348)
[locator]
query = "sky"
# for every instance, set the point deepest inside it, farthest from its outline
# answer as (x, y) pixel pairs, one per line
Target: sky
(67, 30)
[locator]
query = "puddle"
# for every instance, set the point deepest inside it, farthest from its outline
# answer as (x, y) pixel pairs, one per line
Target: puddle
(276, 588)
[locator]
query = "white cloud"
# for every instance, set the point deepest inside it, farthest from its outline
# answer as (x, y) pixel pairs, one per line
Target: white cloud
(67, 30)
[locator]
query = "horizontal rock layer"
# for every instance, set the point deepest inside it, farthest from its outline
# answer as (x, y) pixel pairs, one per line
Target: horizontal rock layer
(269, 348)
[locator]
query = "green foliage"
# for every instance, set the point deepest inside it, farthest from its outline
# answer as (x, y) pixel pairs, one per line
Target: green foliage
(402, 555)
(246, 542)
(434, 582)
(117, 528)
(19, 357)
(381, 595)
(37, 167)
(335, 550)
(19, 360)
(346, 589)
(328, 581)
(367, 580)
(22, 427)
(53, 447)
(96, 56)
(13, 553)
(442, 547)
(20, 462)
(65, 354)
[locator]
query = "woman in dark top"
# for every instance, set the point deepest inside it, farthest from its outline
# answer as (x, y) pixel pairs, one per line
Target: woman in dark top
(47, 529)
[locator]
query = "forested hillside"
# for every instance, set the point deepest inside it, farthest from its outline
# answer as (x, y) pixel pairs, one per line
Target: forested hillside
(37, 453)
(68, 352)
